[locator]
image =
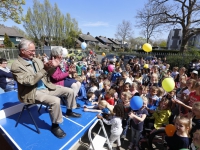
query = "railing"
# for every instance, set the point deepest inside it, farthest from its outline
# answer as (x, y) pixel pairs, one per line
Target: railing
(174, 59)
(13, 53)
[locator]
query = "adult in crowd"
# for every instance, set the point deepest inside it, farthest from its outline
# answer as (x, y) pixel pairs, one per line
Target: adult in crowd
(34, 86)
(59, 77)
(6, 78)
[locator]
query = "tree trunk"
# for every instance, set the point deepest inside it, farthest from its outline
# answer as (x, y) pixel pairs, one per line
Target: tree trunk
(183, 45)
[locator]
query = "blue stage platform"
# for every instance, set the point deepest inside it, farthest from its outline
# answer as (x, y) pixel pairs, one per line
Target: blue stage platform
(25, 137)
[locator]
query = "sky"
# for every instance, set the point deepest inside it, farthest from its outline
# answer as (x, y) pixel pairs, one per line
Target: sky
(99, 17)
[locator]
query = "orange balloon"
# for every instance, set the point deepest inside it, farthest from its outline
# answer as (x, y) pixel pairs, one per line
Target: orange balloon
(170, 129)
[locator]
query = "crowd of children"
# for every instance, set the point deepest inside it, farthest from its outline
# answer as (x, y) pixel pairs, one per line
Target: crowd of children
(109, 91)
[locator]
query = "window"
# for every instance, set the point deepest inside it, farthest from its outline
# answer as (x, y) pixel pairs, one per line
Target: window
(18, 39)
(1, 38)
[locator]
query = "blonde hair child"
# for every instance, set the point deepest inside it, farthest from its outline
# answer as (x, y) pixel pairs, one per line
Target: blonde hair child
(102, 107)
(181, 136)
(196, 139)
(134, 88)
(154, 79)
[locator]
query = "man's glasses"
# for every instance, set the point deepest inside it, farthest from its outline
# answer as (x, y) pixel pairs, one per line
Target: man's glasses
(32, 51)
(4, 63)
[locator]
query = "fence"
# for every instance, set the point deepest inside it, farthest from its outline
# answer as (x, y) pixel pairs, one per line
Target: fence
(13, 53)
(175, 59)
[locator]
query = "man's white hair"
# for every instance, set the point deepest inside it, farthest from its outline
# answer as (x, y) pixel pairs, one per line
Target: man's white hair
(24, 44)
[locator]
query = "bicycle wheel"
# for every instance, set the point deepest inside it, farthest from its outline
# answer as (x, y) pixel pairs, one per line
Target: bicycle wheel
(157, 140)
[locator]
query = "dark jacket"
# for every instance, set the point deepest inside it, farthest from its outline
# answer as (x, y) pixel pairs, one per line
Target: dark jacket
(3, 76)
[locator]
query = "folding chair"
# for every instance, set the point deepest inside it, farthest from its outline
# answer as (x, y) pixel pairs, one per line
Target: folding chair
(62, 99)
(26, 107)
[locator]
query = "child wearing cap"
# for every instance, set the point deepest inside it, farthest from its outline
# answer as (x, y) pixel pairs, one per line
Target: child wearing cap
(194, 75)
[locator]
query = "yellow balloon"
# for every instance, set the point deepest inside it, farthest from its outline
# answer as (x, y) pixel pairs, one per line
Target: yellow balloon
(103, 54)
(147, 47)
(168, 84)
(146, 66)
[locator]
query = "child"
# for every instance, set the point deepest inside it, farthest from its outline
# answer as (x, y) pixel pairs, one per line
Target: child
(153, 98)
(160, 93)
(82, 91)
(138, 77)
(116, 74)
(109, 97)
(116, 124)
(183, 87)
(138, 118)
(180, 139)
(134, 88)
(106, 87)
(100, 82)
(126, 87)
(192, 98)
(79, 69)
(175, 72)
(116, 96)
(72, 69)
(120, 84)
(131, 75)
(126, 78)
(143, 90)
(180, 76)
(196, 118)
(162, 114)
(189, 88)
(102, 107)
(90, 99)
(125, 97)
(93, 85)
(154, 80)
(196, 139)
(195, 121)
(145, 77)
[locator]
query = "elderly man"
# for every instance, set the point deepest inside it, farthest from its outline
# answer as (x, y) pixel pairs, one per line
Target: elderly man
(34, 86)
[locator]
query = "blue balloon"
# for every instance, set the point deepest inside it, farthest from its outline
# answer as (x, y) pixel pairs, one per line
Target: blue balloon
(136, 102)
(83, 45)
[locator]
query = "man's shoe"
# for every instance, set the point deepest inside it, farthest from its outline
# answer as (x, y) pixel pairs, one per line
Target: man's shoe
(58, 132)
(73, 114)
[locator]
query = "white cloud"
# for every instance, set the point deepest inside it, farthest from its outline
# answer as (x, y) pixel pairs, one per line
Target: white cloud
(95, 24)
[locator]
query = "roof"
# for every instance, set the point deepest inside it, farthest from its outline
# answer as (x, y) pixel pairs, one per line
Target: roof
(10, 31)
(88, 37)
(78, 41)
(103, 46)
(116, 46)
(104, 39)
(114, 41)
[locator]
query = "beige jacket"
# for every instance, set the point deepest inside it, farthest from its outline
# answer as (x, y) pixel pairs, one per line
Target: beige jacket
(27, 79)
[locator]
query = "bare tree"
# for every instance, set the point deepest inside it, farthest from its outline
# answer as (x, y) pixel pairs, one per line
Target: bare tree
(124, 31)
(182, 13)
(147, 22)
